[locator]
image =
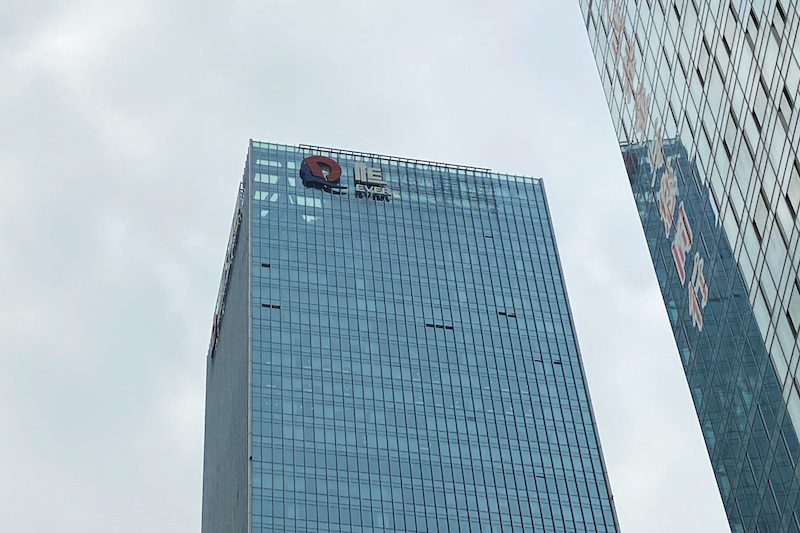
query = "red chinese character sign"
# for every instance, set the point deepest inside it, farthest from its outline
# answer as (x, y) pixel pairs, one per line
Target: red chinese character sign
(641, 110)
(623, 53)
(698, 293)
(629, 67)
(618, 29)
(655, 154)
(682, 243)
(667, 197)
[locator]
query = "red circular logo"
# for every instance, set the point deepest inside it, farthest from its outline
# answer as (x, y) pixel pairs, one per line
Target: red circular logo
(322, 167)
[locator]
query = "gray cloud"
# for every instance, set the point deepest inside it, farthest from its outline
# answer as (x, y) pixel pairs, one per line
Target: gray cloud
(123, 130)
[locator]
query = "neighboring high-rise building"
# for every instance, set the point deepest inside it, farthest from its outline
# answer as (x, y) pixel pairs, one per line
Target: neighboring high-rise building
(703, 94)
(393, 350)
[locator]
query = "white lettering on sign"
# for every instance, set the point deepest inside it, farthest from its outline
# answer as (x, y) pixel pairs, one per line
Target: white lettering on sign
(698, 293)
(375, 192)
(370, 184)
(365, 174)
(682, 243)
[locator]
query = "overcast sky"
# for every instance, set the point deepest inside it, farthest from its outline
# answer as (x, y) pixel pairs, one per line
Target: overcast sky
(123, 132)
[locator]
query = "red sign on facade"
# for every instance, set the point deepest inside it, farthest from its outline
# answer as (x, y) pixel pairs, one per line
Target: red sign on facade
(698, 292)
(667, 197)
(682, 243)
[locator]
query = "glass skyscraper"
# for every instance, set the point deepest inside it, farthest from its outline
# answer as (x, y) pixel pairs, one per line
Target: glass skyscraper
(392, 350)
(702, 95)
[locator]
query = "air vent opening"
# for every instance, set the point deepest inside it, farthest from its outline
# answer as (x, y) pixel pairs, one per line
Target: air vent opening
(437, 326)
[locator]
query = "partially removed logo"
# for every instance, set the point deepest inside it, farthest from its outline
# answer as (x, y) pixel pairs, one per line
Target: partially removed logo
(321, 172)
(370, 183)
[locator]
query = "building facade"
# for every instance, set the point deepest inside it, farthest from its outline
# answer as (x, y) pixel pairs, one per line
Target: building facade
(393, 350)
(702, 95)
